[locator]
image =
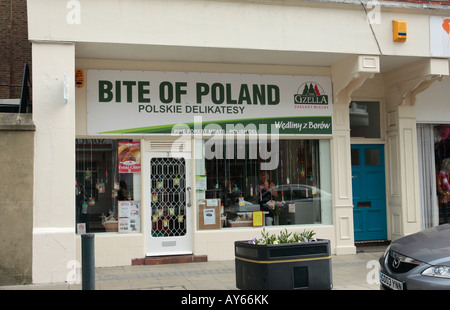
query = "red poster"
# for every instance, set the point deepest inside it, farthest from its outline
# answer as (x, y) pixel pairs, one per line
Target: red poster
(129, 155)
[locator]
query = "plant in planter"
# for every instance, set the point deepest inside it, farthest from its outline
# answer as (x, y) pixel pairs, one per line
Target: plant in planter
(283, 262)
(110, 221)
(284, 237)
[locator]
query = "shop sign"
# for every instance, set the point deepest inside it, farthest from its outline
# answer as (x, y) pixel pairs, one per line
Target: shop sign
(439, 36)
(138, 102)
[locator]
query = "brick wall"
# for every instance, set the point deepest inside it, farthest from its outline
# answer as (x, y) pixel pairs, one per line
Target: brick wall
(15, 50)
(16, 198)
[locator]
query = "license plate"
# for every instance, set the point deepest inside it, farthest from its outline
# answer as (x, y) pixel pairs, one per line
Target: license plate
(390, 282)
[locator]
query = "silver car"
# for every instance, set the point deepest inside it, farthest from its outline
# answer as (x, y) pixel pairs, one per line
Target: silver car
(419, 261)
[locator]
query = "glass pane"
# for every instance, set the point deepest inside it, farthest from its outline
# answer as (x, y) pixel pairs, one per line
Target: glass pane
(442, 162)
(100, 183)
(168, 179)
(365, 119)
(372, 156)
(289, 194)
(355, 157)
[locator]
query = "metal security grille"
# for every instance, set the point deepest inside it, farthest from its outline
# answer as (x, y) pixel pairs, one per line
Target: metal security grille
(168, 187)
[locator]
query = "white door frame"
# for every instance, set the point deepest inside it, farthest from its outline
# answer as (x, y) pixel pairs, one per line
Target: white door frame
(168, 245)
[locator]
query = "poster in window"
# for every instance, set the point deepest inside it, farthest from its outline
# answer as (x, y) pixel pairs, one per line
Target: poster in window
(208, 214)
(129, 156)
(201, 183)
(258, 218)
(129, 217)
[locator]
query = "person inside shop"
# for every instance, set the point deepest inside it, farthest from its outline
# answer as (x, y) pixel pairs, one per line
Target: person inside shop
(443, 188)
(123, 191)
(266, 192)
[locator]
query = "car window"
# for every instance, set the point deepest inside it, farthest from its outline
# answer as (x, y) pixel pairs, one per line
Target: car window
(299, 193)
(293, 192)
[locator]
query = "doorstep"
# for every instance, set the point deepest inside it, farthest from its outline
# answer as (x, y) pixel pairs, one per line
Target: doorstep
(172, 259)
(371, 246)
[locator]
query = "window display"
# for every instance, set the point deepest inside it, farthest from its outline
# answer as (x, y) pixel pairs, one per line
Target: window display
(107, 171)
(297, 191)
(442, 155)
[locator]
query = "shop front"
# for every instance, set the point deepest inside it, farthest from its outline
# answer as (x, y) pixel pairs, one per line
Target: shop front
(172, 157)
(185, 126)
(433, 137)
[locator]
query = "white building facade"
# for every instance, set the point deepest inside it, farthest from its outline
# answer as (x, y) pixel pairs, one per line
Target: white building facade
(178, 107)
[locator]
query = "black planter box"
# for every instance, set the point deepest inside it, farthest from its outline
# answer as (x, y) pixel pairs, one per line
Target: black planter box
(287, 266)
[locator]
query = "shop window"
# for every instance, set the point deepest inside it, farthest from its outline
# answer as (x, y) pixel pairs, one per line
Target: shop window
(296, 191)
(107, 172)
(442, 163)
(365, 119)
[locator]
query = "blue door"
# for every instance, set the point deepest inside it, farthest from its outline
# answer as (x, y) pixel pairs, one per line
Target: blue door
(369, 192)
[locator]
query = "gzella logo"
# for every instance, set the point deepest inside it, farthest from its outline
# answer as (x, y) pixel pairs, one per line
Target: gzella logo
(310, 93)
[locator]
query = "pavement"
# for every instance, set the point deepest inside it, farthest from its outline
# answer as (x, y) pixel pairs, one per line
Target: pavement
(350, 272)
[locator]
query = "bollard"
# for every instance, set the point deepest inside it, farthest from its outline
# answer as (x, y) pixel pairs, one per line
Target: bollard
(87, 262)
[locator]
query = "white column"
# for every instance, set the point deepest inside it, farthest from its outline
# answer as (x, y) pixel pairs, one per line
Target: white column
(348, 75)
(54, 165)
(404, 200)
(342, 184)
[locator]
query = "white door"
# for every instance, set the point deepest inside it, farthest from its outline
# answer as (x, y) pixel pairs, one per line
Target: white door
(168, 211)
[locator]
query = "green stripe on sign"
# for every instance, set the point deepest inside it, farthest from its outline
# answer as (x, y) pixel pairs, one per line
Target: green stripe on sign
(300, 125)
